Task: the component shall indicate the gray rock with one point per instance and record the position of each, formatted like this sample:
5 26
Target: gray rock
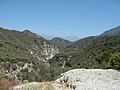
92 79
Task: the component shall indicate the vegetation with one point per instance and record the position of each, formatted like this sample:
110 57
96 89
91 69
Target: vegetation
96 54
15 44
101 52
6 84
114 61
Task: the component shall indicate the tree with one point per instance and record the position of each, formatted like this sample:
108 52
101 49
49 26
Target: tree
114 61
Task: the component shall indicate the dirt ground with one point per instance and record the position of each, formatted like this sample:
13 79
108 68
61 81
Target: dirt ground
52 86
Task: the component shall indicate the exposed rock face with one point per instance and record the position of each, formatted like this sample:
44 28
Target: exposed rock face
91 79
25 45
49 51
15 69
22 52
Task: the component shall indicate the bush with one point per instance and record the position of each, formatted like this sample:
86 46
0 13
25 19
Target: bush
114 61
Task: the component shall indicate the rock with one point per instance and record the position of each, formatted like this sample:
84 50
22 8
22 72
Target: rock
92 79
25 81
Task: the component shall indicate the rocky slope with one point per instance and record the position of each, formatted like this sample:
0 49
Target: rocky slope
26 45
91 79
23 54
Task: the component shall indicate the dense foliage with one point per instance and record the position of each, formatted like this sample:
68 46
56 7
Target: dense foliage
96 54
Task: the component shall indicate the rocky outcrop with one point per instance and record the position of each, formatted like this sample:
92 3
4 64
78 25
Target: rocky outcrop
91 79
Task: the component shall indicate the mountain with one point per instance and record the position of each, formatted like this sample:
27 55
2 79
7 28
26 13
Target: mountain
24 56
26 45
77 45
113 31
47 36
96 54
71 38
92 52
61 42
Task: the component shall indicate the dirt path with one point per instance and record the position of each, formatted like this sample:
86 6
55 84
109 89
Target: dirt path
52 86
48 86
41 86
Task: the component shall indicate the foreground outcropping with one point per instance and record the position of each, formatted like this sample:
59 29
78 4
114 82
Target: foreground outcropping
79 79
91 79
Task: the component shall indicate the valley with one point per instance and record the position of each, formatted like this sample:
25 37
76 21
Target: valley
28 59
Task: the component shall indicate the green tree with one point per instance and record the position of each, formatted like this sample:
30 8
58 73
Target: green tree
114 61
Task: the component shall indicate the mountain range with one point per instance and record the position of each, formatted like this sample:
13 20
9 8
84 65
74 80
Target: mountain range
27 56
91 52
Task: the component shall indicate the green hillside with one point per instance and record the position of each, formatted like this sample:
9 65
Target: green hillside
24 45
95 54
24 56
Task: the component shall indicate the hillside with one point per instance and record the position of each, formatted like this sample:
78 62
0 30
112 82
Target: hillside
24 45
91 52
24 56
77 45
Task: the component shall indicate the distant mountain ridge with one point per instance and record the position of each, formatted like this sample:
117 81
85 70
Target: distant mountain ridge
87 40
113 31
92 52
61 42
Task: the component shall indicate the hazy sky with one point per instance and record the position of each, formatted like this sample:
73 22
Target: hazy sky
60 17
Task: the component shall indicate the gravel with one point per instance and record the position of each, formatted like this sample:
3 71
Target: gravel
91 79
